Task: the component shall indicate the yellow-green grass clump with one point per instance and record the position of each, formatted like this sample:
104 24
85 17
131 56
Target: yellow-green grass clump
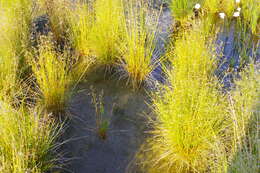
26 140
14 35
82 22
139 45
8 60
107 31
250 10
52 76
190 130
16 17
244 110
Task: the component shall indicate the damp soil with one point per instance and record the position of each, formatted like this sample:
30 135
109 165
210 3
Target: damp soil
127 113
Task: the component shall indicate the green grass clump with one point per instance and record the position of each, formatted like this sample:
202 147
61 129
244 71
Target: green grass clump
52 77
26 139
244 110
139 45
107 30
188 134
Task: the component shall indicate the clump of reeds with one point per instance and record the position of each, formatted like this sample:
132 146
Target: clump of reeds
250 10
107 31
8 60
139 43
16 17
244 110
189 132
220 6
81 21
26 140
52 75
81 27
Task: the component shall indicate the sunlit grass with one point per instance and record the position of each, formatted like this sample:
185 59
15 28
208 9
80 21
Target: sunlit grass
52 77
244 110
26 140
16 17
8 60
251 14
197 128
188 134
107 30
26 134
82 22
139 45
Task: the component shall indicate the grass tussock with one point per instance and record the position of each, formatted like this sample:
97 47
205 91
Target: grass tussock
244 110
188 134
81 27
251 14
139 45
26 139
107 31
16 17
52 76
8 61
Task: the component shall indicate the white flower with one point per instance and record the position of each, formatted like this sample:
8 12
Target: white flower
197 6
237 1
236 14
222 15
239 9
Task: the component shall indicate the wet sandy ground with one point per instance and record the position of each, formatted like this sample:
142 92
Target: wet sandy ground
127 113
